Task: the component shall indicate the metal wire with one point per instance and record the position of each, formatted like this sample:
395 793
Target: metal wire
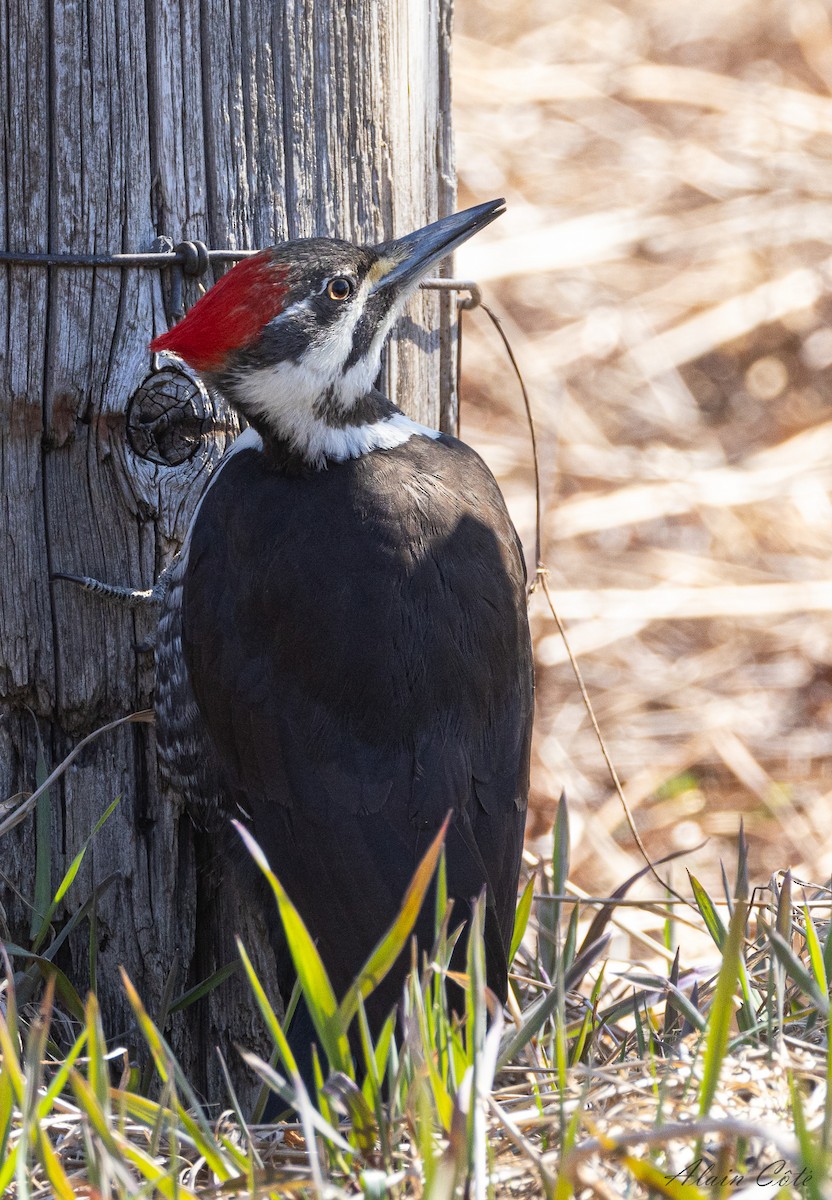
193 258
185 254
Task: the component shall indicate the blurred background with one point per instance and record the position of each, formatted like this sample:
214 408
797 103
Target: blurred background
664 274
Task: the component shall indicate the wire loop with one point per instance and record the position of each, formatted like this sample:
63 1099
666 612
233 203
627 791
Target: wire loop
195 257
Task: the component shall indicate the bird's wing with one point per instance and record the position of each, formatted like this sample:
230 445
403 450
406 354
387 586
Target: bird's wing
358 647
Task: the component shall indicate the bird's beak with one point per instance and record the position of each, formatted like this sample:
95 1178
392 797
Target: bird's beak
404 261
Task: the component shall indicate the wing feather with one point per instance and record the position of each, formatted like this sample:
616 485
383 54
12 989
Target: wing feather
358 646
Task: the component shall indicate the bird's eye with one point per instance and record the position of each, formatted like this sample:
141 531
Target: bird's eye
339 288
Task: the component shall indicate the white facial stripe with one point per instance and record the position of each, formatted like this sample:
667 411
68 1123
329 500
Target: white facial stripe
333 348
299 384
274 392
287 394
359 378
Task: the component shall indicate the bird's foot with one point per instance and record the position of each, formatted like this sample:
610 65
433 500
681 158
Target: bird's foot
128 596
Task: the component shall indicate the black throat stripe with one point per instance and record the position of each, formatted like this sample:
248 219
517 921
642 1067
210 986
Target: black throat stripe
366 410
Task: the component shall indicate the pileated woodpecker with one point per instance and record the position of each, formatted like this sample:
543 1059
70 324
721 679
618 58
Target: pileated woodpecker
344 650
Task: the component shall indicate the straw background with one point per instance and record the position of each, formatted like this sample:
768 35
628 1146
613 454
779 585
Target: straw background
664 274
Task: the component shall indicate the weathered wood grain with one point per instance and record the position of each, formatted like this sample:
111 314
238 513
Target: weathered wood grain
237 122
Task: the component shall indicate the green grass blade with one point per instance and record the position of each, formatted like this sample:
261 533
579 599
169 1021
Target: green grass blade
534 1018
192 1122
521 919
589 955
717 930
570 942
120 1148
12 1090
419 1049
361 1116
155 1041
441 907
549 915
590 1020
814 1169
580 1041
372 1077
477 1013
269 1015
563 1187
678 1000
97 1068
719 1018
712 919
442 1099
12 1066
815 951
560 848
742 889
8 1167
289 1094
208 985
79 915
671 1023
47 970
87 1101
61 1186
654 1179
394 941
6 1106
783 920
827 952
69 876
59 1079
795 969
384 1044
675 999
317 989
35 1052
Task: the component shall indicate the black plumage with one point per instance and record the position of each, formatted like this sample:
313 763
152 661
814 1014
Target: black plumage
373 674
344 653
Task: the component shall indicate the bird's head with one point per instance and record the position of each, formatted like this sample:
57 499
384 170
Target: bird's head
293 335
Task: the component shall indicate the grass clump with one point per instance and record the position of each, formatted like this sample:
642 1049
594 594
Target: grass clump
603 1078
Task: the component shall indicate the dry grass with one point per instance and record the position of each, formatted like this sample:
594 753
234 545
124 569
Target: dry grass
664 269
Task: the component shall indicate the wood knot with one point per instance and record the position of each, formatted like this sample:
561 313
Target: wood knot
167 417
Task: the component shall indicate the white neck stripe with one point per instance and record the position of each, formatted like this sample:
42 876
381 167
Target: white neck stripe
354 441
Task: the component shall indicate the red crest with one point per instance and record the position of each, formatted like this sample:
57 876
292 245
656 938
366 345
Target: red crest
230 315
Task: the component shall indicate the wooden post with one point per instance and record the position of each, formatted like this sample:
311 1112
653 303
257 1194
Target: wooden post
237 124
